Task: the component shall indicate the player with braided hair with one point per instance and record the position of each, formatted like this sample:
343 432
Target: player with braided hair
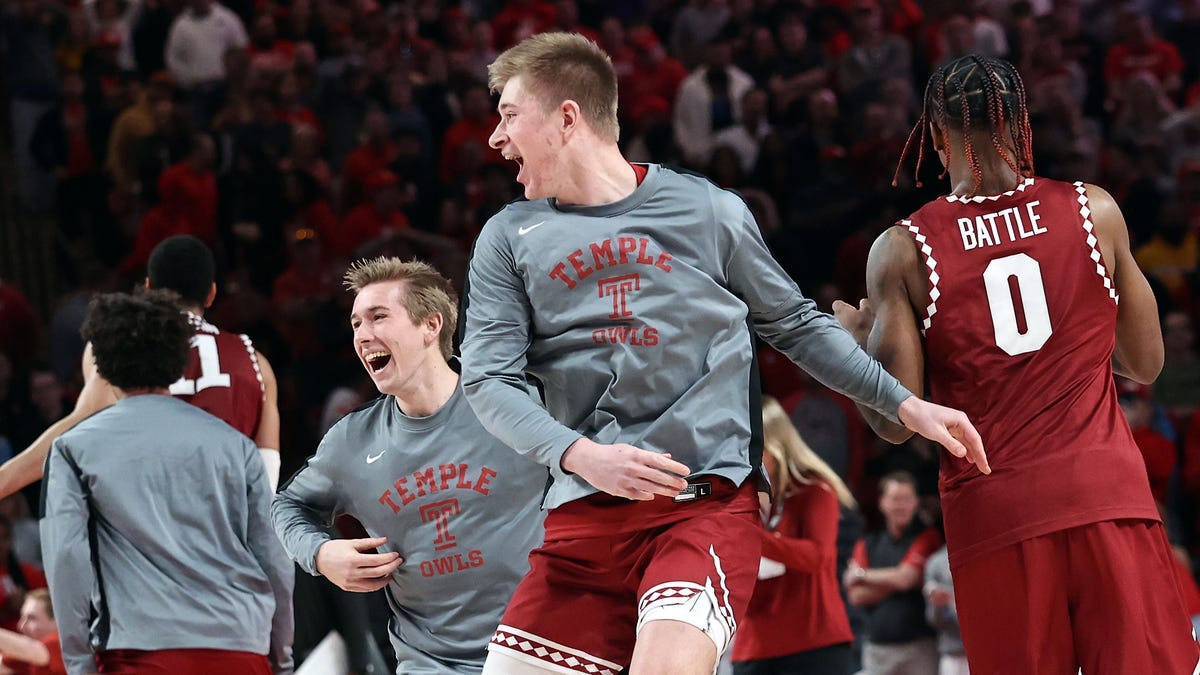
1016 298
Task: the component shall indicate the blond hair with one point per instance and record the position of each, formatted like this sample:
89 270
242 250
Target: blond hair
795 461
426 291
42 595
557 67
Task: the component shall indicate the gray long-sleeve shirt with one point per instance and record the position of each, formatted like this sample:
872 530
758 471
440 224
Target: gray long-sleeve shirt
459 507
157 535
633 315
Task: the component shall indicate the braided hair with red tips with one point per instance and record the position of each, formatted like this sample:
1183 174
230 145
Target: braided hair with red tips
959 96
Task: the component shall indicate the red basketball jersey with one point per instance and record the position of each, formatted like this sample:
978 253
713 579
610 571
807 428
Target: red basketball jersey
1019 334
222 377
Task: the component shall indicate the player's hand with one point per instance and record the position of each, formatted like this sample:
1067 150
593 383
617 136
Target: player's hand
947 426
625 471
343 562
851 576
857 321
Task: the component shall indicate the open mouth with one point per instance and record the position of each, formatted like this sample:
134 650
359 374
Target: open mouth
377 361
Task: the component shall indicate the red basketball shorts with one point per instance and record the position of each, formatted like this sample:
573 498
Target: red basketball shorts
585 598
181 662
1102 597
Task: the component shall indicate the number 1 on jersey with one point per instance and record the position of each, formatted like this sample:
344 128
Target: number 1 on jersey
210 369
1028 274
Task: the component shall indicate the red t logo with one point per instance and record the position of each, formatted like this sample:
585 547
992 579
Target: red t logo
441 513
617 287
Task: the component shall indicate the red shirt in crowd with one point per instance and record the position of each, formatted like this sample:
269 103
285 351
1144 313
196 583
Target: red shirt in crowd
362 224
460 134
807 594
1159 455
360 165
1161 59
191 196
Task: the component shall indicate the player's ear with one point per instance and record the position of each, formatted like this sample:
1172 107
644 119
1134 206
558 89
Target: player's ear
434 323
570 115
212 295
938 136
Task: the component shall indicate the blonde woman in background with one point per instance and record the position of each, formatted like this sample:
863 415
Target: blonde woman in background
797 620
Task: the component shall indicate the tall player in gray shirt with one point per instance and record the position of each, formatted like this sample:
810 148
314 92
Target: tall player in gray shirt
157 537
452 511
632 293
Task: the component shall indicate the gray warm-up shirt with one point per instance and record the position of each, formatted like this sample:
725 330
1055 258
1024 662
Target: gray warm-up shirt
157 535
633 316
459 507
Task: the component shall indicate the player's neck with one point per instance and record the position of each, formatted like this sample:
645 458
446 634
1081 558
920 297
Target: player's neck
429 390
597 175
140 391
998 178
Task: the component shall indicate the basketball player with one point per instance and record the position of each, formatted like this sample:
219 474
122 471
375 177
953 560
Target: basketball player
225 375
1017 297
631 292
157 538
452 511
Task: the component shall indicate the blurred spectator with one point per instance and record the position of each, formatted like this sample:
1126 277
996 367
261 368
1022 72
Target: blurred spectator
267 51
35 649
148 35
465 144
745 138
942 614
566 20
31 29
1158 452
799 71
885 577
27 541
299 293
378 216
115 17
132 127
798 575
20 328
654 73
375 154
69 141
195 51
709 100
16 579
694 27
518 19
1140 50
306 157
1178 385
873 55
1172 252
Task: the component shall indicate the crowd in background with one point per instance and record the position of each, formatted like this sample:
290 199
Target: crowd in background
294 136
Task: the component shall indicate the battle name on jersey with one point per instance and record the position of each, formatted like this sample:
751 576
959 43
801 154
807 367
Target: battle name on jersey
990 229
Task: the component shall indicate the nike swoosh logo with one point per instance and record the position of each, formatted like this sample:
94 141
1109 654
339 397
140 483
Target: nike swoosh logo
526 230
372 458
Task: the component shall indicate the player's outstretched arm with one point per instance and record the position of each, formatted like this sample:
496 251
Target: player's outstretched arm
267 436
26 467
886 325
1139 350
18 647
625 471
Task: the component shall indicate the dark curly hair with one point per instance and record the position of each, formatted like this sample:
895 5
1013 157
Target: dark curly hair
972 94
139 341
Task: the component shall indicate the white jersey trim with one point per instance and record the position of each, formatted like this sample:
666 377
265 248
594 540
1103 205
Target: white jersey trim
548 654
934 277
262 386
979 199
1086 212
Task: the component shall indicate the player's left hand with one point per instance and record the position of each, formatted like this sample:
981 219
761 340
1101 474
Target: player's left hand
947 426
857 321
